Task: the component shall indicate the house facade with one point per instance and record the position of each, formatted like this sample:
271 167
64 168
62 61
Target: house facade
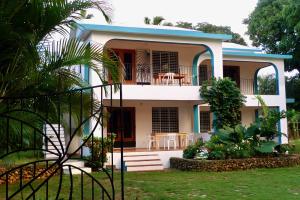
164 68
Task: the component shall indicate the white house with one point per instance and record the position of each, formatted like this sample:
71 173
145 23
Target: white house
164 70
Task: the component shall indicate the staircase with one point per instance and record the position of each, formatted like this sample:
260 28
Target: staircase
48 130
142 161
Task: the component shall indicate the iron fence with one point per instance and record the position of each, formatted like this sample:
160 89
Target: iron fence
42 147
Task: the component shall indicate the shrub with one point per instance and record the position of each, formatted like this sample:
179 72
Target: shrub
191 151
98 149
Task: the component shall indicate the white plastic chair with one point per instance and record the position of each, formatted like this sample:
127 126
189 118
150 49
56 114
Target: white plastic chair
169 77
171 138
151 141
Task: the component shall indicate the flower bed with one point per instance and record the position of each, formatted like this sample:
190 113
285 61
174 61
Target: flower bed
234 164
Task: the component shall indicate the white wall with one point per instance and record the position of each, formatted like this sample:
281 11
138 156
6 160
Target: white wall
143 117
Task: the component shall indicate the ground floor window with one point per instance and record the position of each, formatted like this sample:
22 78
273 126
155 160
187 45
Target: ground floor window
165 119
204 121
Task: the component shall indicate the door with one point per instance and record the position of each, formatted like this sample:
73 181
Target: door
127 57
232 72
122 118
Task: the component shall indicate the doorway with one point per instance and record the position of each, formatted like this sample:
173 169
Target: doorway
122 118
232 72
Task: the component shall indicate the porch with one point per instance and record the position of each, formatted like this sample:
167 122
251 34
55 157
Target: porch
144 159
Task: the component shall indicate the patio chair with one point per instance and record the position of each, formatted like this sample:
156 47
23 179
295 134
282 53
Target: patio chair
171 138
168 78
151 141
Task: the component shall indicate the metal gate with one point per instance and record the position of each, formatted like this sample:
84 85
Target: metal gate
50 143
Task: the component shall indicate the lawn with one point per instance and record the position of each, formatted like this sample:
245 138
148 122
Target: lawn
281 183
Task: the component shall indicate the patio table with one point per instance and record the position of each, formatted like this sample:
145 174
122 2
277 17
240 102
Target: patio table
159 136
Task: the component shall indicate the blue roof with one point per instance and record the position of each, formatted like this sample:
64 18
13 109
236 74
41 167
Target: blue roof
253 53
153 31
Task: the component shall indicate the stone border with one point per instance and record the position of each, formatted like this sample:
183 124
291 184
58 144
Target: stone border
234 164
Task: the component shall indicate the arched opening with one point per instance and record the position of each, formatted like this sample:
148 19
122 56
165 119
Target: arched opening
203 66
266 81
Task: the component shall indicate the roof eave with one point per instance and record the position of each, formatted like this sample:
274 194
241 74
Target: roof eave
151 31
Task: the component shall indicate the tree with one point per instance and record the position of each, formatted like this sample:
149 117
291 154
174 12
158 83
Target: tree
225 100
157 20
32 65
292 85
266 85
210 28
204 27
274 25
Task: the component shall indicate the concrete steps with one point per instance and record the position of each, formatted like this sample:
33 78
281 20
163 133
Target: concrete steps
79 164
48 130
143 161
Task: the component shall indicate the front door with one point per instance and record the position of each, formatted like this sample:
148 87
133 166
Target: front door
127 57
122 118
232 72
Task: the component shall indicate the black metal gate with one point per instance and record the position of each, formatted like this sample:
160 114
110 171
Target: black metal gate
47 139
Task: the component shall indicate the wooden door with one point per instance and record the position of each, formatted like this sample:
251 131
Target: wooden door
125 119
127 57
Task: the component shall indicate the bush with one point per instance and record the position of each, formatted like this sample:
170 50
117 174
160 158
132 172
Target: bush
191 151
96 159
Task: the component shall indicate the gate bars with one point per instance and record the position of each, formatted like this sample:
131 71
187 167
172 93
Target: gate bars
41 146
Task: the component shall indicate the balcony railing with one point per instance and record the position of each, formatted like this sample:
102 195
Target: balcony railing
178 76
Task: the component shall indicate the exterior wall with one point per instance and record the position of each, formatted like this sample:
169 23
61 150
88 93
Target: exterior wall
188 54
143 117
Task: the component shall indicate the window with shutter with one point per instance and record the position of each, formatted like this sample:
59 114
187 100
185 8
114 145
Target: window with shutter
165 119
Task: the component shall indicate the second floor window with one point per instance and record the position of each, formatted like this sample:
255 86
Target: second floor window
164 62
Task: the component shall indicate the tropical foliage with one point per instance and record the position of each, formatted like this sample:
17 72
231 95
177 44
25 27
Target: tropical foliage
266 85
225 100
98 149
274 25
33 64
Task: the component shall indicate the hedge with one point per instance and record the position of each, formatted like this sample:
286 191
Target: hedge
234 164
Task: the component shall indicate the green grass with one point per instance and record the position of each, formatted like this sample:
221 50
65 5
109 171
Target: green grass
281 183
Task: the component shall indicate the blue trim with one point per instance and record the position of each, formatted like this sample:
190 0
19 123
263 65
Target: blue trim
290 100
152 31
276 76
195 65
241 50
279 128
196 119
86 74
260 55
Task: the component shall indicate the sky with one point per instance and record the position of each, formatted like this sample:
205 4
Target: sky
219 12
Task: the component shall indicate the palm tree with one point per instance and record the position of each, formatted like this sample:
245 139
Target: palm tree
31 64
157 20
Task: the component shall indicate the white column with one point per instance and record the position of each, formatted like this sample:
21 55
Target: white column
217 61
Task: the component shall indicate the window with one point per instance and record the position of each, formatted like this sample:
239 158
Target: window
164 61
203 76
165 119
204 121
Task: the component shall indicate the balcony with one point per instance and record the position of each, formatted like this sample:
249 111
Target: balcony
154 75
